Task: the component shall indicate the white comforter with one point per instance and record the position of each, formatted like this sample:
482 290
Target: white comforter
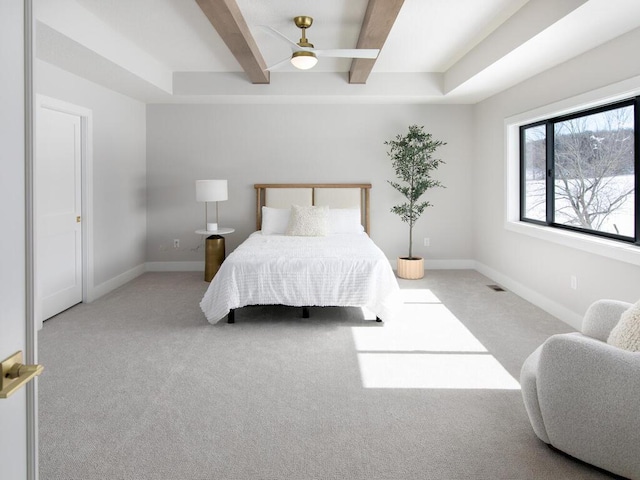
346 270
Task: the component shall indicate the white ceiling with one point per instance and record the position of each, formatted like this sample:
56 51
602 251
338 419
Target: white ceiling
437 51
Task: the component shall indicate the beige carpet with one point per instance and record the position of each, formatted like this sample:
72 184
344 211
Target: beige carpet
138 385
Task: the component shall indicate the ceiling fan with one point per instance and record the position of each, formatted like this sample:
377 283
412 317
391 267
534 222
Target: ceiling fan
305 56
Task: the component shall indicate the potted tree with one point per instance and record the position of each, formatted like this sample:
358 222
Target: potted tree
412 159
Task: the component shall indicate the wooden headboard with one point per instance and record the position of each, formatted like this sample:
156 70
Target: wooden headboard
334 195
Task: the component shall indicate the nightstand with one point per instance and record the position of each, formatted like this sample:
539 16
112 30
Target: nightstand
214 250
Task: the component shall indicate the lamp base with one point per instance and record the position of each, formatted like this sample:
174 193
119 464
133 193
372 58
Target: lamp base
212 227
214 256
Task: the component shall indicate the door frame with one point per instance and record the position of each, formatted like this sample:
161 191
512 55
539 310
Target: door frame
31 338
86 191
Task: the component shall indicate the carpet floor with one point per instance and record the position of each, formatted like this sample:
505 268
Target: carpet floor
137 385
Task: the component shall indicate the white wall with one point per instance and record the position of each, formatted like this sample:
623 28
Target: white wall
537 269
249 144
119 172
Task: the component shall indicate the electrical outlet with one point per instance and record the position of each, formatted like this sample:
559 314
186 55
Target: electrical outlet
427 241
176 243
574 282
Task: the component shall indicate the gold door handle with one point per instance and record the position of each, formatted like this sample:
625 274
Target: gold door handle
13 374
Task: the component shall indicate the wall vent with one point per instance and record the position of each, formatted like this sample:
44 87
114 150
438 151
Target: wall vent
496 288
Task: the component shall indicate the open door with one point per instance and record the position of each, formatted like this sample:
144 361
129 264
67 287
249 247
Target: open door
18 439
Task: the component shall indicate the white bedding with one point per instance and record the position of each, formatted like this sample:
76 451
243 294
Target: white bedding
346 270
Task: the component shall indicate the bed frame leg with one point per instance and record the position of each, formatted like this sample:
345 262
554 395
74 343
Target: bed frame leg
231 317
305 312
378 319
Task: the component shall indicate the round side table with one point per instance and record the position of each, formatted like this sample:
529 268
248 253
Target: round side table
214 250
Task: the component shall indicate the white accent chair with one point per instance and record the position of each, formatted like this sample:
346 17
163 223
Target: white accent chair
583 395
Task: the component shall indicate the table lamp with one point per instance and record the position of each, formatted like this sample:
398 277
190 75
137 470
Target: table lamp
211 191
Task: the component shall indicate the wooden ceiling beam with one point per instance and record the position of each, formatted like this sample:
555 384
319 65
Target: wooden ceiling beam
226 18
378 20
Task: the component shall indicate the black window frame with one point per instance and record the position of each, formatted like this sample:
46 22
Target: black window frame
549 124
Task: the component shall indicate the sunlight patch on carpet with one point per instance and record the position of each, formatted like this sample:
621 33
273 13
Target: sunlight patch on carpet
418 295
426 347
423 327
429 370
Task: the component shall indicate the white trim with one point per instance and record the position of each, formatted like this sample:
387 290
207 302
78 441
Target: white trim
595 98
569 317
461 264
115 282
174 266
604 247
588 243
87 207
31 336
453 264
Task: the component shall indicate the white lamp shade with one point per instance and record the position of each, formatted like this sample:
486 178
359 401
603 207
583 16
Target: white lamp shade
211 190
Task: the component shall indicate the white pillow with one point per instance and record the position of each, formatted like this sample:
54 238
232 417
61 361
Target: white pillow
275 220
626 334
345 220
308 221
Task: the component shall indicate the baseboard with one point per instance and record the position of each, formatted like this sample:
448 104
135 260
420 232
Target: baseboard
105 287
174 266
442 264
569 317
449 264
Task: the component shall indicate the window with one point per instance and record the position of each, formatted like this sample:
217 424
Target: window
581 172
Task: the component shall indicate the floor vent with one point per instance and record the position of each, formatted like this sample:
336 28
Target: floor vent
496 288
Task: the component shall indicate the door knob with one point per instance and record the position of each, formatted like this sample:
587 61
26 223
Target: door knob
14 374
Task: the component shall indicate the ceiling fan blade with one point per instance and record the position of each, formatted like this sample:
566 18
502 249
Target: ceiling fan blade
275 66
349 53
281 36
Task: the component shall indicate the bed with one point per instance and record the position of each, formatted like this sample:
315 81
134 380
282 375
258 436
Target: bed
287 262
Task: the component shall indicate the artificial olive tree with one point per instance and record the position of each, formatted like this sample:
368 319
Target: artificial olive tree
412 159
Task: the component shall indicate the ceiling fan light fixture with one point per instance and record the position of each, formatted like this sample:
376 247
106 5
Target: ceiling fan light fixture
304 60
305 56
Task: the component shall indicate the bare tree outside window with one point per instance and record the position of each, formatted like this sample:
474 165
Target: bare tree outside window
594 172
535 169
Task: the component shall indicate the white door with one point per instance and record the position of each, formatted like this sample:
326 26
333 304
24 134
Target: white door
58 160
17 413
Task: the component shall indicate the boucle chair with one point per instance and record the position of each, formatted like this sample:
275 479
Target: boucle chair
582 395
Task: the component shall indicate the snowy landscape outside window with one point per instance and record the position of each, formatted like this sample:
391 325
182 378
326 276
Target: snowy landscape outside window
580 172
